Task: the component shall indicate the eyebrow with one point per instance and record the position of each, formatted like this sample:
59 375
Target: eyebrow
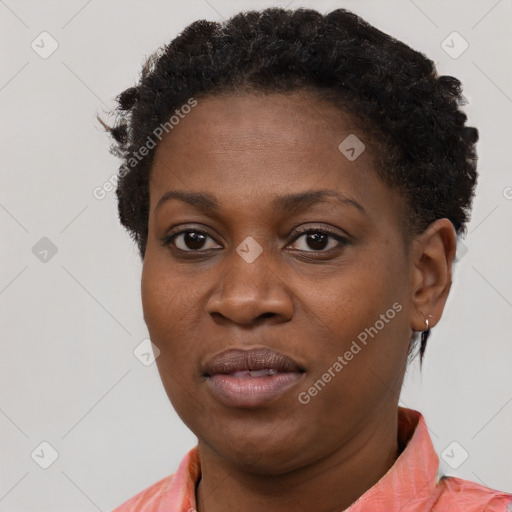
290 203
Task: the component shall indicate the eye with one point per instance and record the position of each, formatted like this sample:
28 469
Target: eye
311 240
189 240
318 240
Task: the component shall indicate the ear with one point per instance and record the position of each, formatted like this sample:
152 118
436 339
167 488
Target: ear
432 257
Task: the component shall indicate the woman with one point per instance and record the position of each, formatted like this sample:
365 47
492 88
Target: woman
295 184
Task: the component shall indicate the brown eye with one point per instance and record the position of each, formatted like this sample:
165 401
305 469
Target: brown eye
189 240
316 240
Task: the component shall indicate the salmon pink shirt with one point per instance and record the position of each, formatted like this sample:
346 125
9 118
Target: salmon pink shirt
412 484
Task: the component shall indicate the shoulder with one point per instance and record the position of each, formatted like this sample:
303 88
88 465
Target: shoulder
147 500
173 492
458 494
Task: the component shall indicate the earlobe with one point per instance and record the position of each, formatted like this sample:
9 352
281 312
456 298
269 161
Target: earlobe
432 258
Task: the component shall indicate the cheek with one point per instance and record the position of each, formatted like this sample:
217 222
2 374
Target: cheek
165 313
167 316
163 297
360 316
351 300
156 303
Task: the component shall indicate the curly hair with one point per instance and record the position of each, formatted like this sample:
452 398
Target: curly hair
392 92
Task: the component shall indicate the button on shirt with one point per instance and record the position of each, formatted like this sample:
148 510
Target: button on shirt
412 484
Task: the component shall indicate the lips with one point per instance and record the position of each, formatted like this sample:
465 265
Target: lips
251 379
256 363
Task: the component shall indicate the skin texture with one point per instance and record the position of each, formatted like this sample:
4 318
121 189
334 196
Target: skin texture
308 301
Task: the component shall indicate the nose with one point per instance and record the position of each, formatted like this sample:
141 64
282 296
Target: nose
250 293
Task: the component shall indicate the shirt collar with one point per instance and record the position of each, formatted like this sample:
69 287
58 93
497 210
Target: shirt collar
409 485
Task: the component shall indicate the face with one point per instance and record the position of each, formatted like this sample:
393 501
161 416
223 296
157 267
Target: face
295 248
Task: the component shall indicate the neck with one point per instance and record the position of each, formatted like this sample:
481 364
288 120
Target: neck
329 484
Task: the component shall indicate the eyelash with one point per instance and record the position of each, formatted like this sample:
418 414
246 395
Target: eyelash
167 241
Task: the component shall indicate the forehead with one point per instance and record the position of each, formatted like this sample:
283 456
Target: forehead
243 146
248 120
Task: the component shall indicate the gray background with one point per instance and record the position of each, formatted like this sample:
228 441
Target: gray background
71 320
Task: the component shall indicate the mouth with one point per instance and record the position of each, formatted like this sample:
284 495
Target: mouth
251 378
